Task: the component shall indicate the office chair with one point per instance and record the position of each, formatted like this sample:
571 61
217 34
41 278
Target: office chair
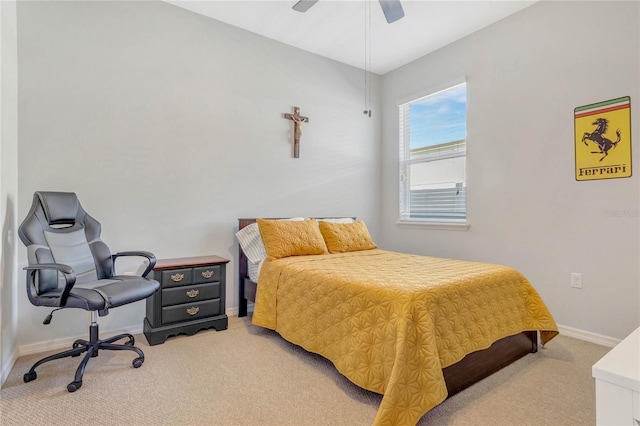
70 267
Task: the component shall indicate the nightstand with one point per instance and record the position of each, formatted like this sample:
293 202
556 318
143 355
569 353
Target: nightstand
191 297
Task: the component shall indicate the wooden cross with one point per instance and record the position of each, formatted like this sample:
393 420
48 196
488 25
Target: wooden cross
297 129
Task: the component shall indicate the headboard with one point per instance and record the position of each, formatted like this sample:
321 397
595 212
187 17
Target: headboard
247 288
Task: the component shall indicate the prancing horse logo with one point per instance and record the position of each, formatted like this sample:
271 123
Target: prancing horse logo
598 137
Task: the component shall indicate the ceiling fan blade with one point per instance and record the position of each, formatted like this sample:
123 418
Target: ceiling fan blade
392 10
304 5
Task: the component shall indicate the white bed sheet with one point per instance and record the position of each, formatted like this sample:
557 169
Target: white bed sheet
254 270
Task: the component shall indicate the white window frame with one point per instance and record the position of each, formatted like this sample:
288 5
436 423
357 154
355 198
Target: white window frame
405 162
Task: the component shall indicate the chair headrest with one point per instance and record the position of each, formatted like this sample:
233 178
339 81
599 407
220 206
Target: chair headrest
60 208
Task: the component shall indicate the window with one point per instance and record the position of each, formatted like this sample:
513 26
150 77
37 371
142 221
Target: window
433 132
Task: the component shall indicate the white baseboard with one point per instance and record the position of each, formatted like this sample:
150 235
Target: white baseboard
66 342
63 343
233 311
8 366
52 345
587 336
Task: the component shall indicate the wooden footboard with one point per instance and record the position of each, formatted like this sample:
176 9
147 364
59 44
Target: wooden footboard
459 376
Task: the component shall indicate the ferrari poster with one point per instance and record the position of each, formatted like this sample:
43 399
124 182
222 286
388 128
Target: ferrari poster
603 139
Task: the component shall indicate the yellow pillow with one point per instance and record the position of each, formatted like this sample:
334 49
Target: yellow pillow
345 237
283 238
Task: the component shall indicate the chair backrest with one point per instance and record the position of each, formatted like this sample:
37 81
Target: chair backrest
58 230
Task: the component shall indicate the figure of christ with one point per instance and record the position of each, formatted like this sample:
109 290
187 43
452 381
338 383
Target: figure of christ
297 129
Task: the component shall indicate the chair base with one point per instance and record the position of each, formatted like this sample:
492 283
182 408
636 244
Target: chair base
92 348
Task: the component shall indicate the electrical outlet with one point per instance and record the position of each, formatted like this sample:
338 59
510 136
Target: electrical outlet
576 280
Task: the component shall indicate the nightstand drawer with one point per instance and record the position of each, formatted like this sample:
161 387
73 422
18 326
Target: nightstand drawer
206 274
177 277
190 311
190 293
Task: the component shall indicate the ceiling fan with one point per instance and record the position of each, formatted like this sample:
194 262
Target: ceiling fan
392 9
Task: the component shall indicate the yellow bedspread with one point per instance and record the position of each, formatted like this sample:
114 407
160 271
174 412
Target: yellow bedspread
390 322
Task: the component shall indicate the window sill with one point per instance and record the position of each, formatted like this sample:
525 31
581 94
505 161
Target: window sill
447 226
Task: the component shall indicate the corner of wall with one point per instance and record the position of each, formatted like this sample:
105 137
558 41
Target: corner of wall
8 185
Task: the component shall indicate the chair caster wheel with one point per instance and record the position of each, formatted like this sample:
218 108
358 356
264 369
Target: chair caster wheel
137 362
74 386
75 346
30 376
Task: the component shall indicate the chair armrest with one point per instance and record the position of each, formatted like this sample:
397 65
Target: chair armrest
66 270
150 257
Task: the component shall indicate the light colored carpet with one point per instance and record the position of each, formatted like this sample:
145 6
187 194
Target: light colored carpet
246 375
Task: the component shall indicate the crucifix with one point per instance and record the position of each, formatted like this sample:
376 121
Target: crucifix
297 129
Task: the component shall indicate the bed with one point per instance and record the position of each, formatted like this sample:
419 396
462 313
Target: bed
389 327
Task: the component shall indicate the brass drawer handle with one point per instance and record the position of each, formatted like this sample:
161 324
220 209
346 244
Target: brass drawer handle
193 293
207 274
194 310
177 277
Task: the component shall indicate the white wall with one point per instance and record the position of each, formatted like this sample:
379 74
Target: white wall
168 125
526 74
8 186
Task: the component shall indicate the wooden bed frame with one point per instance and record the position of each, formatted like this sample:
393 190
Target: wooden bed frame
459 376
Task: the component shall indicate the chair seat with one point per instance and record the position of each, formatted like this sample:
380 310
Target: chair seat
107 293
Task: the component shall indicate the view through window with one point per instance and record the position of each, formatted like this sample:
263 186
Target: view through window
433 132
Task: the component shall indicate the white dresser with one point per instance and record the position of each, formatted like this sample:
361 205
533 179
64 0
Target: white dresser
617 377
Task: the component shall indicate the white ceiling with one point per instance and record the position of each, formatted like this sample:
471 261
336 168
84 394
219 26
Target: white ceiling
336 28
